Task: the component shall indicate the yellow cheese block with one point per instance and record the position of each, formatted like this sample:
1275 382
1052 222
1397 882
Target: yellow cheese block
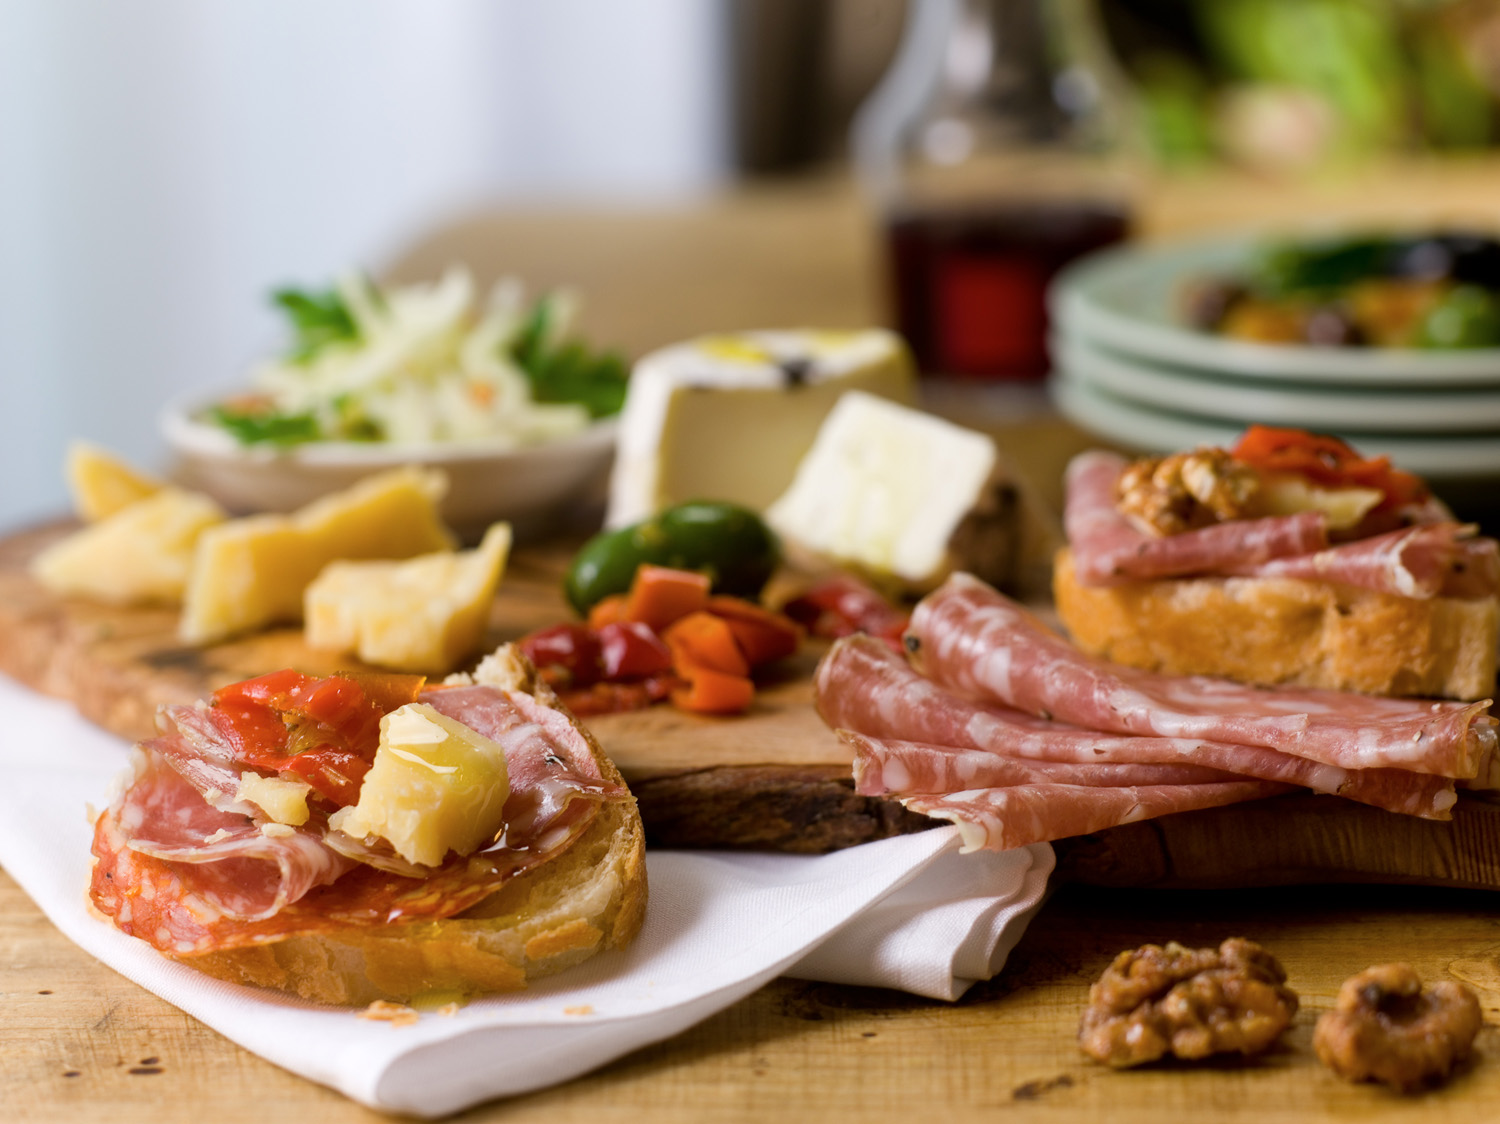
283 800
252 572
142 554
102 484
425 614
436 786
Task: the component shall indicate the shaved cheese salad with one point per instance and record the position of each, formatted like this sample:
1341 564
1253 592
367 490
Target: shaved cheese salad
421 364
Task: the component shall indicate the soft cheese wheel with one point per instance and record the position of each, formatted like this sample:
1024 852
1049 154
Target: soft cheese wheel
900 494
729 417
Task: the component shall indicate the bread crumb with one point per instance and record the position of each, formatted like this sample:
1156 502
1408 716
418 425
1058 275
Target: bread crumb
448 1010
585 1009
397 1014
91 812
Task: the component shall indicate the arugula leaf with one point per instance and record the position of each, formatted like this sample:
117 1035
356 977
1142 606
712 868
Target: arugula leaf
259 427
318 319
568 371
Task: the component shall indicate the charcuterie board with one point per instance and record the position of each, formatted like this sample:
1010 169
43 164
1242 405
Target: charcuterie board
775 778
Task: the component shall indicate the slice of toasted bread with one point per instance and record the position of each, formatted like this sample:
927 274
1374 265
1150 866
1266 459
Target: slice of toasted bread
1278 630
590 898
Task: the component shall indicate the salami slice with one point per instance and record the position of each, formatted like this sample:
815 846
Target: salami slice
237 868
883 766
1416 562
862 685
971 639
1108 548
997 819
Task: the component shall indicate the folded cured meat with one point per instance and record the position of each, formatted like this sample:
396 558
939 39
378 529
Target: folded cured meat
997 819
970 638
863 686
189 866
1107 547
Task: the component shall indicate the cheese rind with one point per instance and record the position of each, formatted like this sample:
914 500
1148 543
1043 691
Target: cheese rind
101 484
252 572
899 494
140 555
729 417
424 614
435 786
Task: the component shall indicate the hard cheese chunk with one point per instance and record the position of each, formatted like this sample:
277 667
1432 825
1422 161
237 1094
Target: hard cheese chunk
729 417
425 614
901 495
252 572
142 554
282 800
436 786
102 484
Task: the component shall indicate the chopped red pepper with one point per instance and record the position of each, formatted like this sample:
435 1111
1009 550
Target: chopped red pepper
566 655
843 605
630 650
1327 461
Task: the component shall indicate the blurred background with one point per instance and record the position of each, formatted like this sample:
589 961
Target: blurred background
165 163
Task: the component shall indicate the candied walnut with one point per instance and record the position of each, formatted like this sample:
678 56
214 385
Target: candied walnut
1386 1027
1189 1002
1165 495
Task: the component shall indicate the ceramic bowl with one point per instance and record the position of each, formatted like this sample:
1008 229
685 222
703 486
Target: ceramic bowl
535 488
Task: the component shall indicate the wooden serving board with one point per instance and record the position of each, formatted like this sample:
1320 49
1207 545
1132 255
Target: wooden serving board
773 779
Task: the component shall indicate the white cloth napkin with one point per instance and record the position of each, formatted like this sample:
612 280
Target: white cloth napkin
907 913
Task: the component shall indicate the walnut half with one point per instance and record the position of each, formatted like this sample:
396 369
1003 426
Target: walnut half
1166 495
1386 1027
1187 1002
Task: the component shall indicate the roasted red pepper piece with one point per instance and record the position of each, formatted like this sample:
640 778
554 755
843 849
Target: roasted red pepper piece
630 650
843 605
565 655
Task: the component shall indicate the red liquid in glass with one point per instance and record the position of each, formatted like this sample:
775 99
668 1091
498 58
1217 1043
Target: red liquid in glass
971 284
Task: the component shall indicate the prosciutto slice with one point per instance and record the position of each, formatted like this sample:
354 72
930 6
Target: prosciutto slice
886 765
969 638
1109 549
1415 562
997 819
861 685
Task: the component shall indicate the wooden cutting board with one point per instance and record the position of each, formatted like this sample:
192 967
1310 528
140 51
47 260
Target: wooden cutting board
774 779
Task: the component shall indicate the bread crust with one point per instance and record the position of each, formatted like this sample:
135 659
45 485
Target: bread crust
590 898
1283 631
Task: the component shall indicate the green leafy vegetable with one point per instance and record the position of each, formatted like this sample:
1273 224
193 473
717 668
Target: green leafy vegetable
261 427
319 319
567 371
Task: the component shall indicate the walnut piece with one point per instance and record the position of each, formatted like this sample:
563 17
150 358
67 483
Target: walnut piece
1165 495
1189 1002
1386 1027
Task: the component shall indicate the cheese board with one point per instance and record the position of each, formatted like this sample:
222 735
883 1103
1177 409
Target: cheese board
773 779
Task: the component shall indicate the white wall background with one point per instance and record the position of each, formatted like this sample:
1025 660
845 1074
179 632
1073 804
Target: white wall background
165 163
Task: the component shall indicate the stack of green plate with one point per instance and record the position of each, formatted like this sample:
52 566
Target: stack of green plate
1127 367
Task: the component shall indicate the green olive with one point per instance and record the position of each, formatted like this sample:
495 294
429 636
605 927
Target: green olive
1467 316
727 542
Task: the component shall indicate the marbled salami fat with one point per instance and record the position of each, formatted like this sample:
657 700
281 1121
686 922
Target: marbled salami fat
861 685
997 819
970 639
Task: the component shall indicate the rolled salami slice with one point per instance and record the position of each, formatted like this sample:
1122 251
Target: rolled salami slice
1108 548
971 639
862 685
997 819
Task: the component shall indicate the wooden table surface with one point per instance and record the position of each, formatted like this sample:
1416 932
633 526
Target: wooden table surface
79 1043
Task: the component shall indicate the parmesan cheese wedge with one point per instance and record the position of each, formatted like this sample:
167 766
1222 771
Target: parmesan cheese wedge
436 786
101 484
425 614
140 555
252 572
